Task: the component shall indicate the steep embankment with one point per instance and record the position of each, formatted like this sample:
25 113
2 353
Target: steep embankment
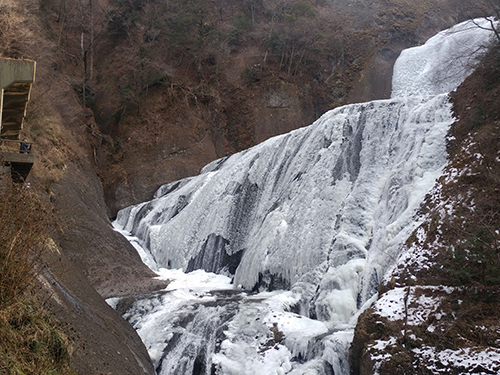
84 253
437 310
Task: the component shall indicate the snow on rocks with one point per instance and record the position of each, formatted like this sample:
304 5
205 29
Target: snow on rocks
412 304
461 362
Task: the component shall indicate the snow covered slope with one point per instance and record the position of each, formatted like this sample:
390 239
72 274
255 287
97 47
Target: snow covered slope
320 212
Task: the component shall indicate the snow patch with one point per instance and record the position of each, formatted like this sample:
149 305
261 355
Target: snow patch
464 361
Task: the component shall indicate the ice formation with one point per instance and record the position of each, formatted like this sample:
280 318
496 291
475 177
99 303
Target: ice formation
311 219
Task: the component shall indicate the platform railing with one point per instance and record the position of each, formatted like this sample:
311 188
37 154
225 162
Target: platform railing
8 145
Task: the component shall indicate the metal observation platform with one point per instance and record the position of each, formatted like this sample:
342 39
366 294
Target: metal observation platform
16 78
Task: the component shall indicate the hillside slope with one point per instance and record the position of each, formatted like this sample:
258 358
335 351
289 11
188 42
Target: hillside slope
437 309
174 85
85 254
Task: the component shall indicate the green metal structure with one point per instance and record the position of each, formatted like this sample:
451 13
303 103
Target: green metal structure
16 79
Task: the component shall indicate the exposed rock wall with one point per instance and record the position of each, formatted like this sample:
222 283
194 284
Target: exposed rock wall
242 81
88 260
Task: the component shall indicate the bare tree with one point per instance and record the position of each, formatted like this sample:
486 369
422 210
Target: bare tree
493 21
92 21
493 26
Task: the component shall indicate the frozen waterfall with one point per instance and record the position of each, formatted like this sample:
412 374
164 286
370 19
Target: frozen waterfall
285 242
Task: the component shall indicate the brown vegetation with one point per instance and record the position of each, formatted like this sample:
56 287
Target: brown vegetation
24 229
29 339
176 84
16 33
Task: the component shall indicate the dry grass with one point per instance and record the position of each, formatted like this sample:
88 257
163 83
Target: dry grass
15 31
24 230
30 343
29 340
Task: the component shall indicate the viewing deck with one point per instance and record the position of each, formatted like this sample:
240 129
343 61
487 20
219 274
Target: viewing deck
17 163
16 79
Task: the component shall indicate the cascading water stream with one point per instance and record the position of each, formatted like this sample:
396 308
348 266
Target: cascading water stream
309 221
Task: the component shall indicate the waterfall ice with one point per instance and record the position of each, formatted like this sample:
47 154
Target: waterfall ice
443 62
304 201
310 219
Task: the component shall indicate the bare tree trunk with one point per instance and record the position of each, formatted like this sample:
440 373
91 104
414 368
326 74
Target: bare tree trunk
291 60
252 9
84 66
61 10
91 71
61 32
300 60
61 18
220 10
405 329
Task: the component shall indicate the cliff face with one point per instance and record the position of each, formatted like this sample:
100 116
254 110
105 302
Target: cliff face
436 309
178 84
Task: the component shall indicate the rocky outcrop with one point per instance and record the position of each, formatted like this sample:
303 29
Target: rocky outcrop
89 261
435 312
